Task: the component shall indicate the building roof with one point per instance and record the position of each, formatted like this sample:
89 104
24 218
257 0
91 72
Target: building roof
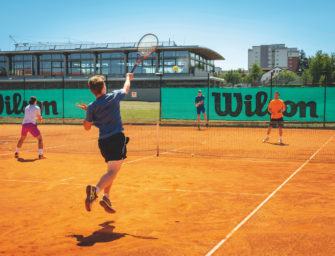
41 48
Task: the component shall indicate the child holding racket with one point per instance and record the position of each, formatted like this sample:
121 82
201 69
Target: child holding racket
276 108
31 112
104 113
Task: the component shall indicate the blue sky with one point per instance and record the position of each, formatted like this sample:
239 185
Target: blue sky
228 27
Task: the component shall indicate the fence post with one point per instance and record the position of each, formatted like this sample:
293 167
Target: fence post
24 88
208 84
160 97
271 85
325 102
63 82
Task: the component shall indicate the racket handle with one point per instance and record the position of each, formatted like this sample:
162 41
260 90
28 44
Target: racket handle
133 69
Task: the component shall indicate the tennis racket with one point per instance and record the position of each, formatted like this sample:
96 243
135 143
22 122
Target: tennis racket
199 103
146 46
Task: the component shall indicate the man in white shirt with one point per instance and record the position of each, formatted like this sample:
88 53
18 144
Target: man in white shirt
31 112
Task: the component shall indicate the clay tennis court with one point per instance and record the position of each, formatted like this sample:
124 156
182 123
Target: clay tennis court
218 191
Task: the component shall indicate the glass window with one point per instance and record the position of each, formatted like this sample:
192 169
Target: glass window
52 64
87 56
169 62
147 62
169 54
168 70
45 64
182 61
57 71
57 56
3 66
22 65
132 55
182 53
110 63
74 56
192 63
45 57
45 71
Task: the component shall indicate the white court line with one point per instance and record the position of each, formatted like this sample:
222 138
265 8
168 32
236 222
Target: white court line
267 199
70 178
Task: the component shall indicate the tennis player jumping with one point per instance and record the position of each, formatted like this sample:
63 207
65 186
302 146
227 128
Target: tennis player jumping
31 112
276 108
104 113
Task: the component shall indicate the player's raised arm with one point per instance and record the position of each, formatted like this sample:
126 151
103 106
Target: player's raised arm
126 86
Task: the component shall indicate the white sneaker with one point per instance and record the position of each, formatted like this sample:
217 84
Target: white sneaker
280 141
265 139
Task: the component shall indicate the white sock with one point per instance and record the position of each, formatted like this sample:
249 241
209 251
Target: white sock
106 195
280 138
17 150
267 136
40 151
97 189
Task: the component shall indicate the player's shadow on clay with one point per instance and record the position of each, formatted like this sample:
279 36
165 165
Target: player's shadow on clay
104 235
278 144
22 160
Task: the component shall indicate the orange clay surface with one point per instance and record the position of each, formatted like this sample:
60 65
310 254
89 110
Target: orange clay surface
184 202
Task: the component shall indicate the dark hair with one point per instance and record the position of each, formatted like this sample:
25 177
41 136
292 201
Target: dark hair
96 83
32 100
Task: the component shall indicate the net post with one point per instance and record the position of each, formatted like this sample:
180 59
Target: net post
157 138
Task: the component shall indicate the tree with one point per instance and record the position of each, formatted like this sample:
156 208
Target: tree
287 76
306 77
322 64
233 77
242 72
247 79
255 73
322 80
303 63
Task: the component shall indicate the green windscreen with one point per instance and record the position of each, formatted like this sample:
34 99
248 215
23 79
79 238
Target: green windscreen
250 104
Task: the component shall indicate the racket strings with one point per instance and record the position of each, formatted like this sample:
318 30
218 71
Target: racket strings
147 45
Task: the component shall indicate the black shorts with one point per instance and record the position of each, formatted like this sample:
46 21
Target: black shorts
276 122
114 147
200 109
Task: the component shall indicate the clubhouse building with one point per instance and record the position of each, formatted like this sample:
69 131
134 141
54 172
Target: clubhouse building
47 66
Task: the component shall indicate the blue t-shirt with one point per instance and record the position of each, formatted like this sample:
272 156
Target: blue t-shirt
104 112
198 99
